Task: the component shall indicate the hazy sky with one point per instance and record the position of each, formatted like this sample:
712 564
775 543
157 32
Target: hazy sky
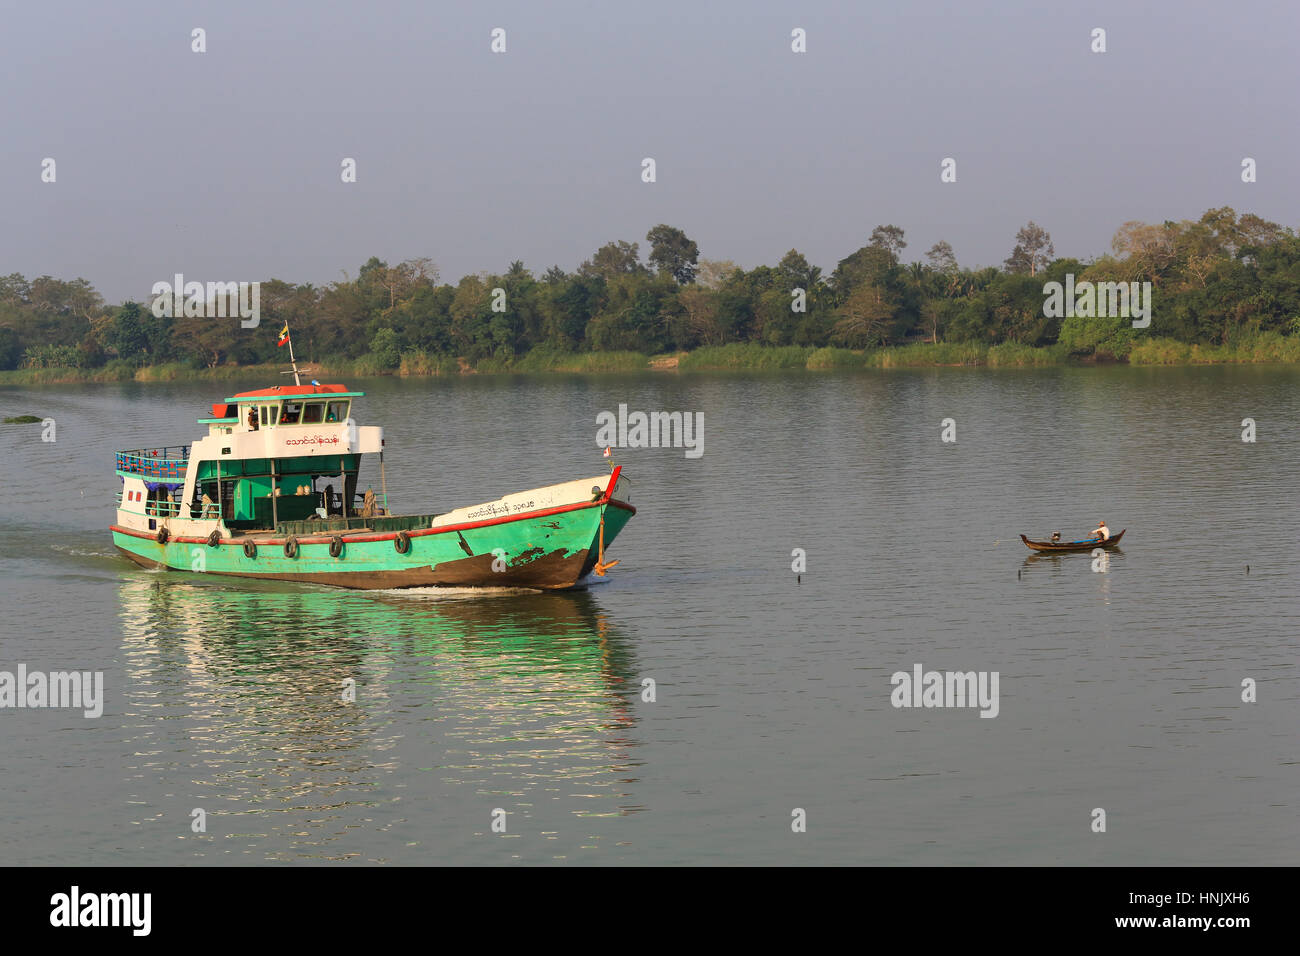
225 165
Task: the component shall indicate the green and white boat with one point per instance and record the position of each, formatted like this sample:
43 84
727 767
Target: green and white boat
247 500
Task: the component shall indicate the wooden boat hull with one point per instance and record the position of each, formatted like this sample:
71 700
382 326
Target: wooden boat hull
1060 547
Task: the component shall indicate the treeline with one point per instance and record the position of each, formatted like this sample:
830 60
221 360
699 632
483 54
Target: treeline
1216 281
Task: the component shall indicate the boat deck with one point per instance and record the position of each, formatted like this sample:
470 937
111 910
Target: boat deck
316 532
331 526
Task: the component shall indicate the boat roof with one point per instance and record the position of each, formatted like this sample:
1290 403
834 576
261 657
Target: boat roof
295 391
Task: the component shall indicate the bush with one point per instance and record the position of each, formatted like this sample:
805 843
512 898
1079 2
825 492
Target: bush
384 351
52 356
1107 335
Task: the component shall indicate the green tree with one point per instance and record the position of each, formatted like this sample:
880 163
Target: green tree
890 239
796 273
870 265
612 260
385 349
864 318
128 335
672 253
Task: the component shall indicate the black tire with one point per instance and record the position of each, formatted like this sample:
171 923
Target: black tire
291 547
162 535
214 539
402 542
336 546
250 549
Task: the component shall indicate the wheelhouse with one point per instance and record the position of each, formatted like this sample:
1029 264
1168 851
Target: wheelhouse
257 411
284 454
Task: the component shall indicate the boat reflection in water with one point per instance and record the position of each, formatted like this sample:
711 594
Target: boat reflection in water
1060 560
462 704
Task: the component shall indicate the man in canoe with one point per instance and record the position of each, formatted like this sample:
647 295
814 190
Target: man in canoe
1101 531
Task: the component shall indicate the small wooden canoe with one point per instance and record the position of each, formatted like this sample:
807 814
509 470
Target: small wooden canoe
1074 545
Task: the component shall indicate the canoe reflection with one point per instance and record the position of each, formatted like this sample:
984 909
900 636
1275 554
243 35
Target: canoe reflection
1056 561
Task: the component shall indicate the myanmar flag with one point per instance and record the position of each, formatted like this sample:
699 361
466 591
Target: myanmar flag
284 335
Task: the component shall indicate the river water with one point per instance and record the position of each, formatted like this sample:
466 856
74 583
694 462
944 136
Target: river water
1120 684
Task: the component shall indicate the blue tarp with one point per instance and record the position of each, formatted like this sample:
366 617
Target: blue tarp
170 486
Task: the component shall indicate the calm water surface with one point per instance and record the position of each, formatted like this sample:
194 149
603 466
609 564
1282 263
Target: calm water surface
1119 689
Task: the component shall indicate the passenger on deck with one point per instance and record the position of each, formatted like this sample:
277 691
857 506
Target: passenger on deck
252 418
329 497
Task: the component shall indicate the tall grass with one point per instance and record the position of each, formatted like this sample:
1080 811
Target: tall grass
62 376
420 362
825 359
1011 355
125 372
179 371
922 355
119 371
1160 352
746 355
1263 348
547 360
1270 347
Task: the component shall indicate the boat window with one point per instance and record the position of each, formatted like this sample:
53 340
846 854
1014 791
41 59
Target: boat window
265 415
275 413
338 412
312 413
291 412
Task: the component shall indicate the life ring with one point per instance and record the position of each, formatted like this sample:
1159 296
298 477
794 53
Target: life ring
214 539
402 542
336 546
250 549
291 547
162 535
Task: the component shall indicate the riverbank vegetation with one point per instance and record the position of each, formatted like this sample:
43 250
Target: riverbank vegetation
1265 348
1224 288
